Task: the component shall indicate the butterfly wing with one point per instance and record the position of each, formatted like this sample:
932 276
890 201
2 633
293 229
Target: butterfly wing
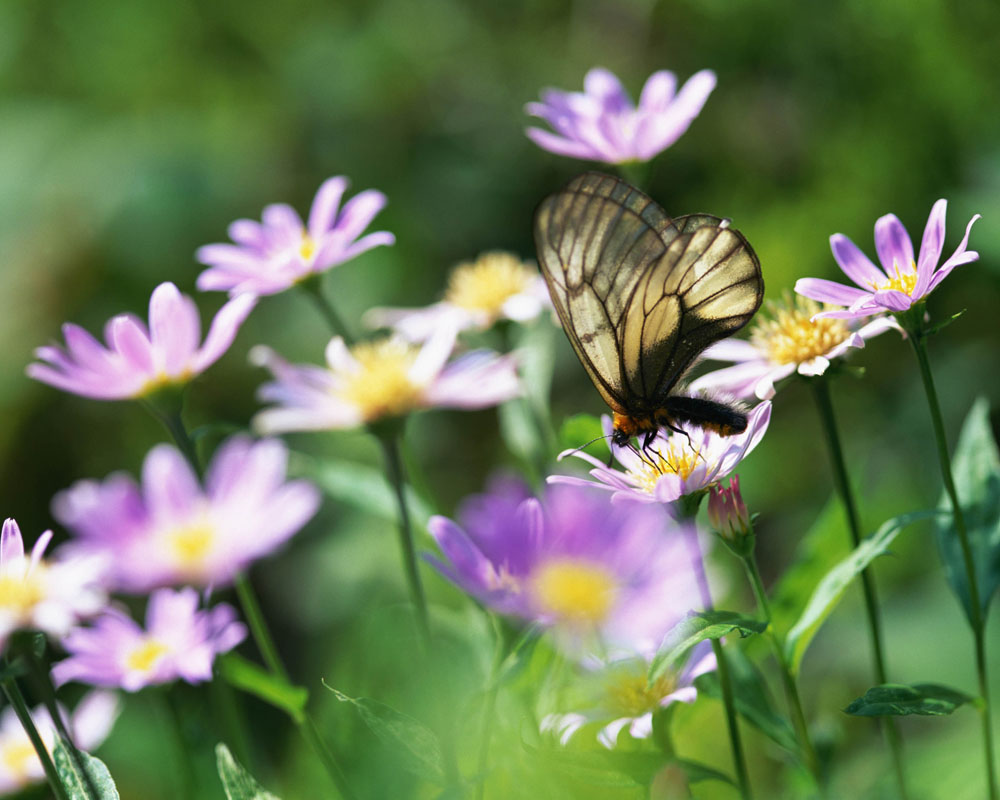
597 240
705 287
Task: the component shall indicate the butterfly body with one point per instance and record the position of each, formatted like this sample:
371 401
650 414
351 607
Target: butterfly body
640 295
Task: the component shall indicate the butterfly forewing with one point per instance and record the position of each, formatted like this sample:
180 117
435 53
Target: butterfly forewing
641 295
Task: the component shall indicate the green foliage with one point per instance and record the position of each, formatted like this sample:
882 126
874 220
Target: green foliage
900 700
238 783
831 588
697 627
753 700
411 743
581 429
254 679
94 782
976 470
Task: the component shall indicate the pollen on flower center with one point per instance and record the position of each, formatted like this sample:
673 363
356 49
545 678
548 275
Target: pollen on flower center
18 758
632 695
904 282
488 282
382 386
190 544
678 459
575 591
18 595
789 335
145 657
307 248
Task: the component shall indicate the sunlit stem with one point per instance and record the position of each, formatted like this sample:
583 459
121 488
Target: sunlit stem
635 173
787 679
314 290
389 436
490 704
821 392
13 692
917 337
689 508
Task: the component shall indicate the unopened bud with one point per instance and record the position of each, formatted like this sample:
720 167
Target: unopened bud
727 513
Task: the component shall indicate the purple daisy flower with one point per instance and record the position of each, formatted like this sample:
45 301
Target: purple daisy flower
279 251
903 280
786 339
597 573
90 723
172 531
137 361
380 379
179 641
622 697
602 124
674 464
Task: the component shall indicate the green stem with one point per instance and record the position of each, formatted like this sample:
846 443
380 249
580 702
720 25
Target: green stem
821 392
171 710
977 618
725 682
314 290
489 707
265 644
396 476
16 699
788 680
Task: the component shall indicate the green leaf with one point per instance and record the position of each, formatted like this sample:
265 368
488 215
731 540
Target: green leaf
900 700
579 430
976 470
697 772
254 679
831 588
413 743
752 699
238 783
359 486
76 782
697 627
520 431
940 326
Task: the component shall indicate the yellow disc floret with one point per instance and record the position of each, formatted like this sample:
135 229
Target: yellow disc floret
19 594
144 657
487 283
630 694
904 282
382 386
674 457
787 333
190 544
575 591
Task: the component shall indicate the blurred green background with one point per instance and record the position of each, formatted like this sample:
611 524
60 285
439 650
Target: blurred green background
133 132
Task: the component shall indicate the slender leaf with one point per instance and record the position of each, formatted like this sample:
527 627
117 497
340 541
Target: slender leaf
899 700
76 783
238 783
413 743
697 772
829 591
697 627
253 679
976 469
752 699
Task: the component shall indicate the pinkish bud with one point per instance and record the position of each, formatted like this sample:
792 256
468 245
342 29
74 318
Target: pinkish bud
727 513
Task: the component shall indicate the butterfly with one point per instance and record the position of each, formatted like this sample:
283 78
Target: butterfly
641 295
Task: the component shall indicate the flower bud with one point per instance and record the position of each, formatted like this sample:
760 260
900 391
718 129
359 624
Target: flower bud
727 513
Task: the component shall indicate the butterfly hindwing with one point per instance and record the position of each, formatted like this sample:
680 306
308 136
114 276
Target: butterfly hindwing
641 295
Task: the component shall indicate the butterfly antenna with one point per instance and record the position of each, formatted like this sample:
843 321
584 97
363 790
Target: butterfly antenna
588 444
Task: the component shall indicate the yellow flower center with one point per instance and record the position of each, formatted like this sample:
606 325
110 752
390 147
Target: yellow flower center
144 657
19 595
18 759
675 457
789 336
488 282
190 544
904 282
307 249
575 591
631 695
382 386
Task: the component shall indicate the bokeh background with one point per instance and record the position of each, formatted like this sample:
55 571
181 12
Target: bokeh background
133 132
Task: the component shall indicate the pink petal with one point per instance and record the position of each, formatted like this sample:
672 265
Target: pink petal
175 328
324 207
825 291
893 300
169 485
284 220
358 212
855 264
602 85
931 245
658 91
565 147
130 339
893 245
223 330
11 543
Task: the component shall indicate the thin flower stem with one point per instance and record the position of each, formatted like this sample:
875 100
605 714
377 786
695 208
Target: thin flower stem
821 392
978 621
313 289
489 707
725 682
788 680
16 699
185 771
394 471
